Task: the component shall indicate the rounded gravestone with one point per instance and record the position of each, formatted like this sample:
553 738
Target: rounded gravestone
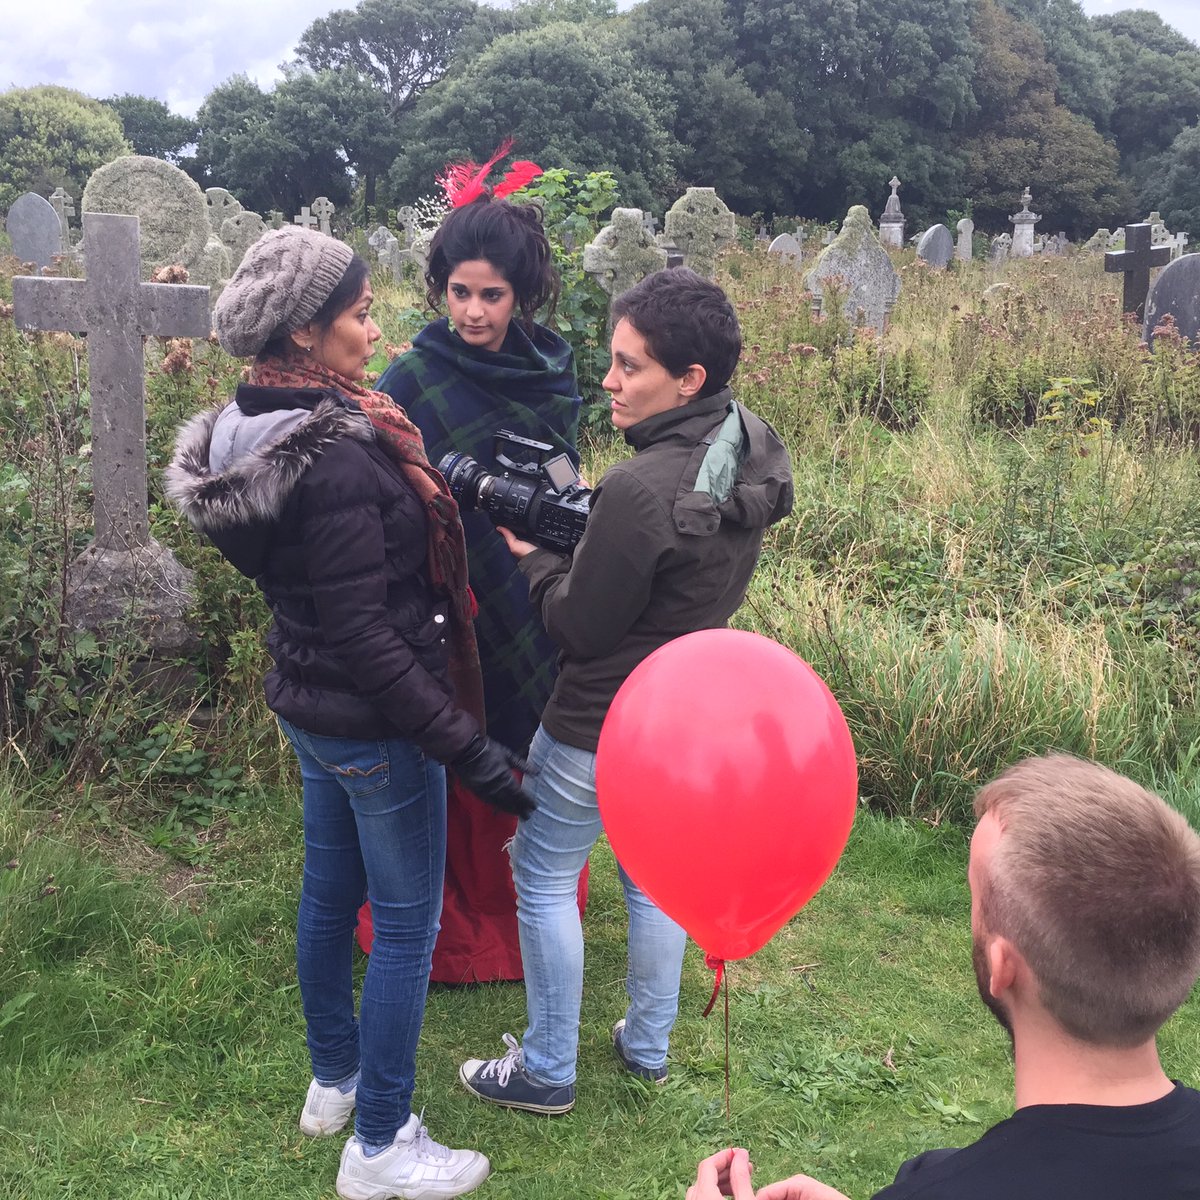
34 230
239 232
171 209
1176 293
936 247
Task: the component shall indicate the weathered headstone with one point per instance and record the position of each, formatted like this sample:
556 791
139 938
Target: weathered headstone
1097 242
965 245
64 204
1001 246
34 229
1023 223
221 205
123 573
787 248
1176 293
323 209
305 218
1160 235
701 225
650 222
936 247
275 219
379 238
1135 261
171 209
891 224
238 233
409 221
623 252
1179 244
857 257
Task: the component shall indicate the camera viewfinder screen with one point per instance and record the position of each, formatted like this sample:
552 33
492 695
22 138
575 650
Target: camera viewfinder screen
560 472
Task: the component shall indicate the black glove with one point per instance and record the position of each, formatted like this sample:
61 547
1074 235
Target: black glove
486 767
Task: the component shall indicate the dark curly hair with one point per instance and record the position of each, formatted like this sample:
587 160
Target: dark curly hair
510 238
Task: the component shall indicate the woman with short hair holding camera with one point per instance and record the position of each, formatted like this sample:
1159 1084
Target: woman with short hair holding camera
485 366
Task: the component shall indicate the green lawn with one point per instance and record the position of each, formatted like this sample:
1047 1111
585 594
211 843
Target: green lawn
151 1043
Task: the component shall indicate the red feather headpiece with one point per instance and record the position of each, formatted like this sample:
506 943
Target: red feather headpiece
466 181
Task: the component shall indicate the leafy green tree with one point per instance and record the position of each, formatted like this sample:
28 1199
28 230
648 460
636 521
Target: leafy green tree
275 149
53 137
878 85
1023 136
1074 47
750 147
401 46
1157 84
1172 182
569 97
151 128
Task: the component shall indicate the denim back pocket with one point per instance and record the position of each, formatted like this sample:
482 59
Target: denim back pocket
361 767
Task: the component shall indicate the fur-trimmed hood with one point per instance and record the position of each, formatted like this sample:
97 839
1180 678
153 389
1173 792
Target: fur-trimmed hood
255 486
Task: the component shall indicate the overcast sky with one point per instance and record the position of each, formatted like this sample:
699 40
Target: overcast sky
179 53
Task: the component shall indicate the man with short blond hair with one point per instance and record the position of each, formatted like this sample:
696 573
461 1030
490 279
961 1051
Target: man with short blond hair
1085 922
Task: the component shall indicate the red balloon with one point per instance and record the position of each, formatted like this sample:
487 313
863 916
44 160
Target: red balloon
726 780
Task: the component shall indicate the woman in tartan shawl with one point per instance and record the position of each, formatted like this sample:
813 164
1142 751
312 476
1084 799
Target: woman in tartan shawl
490 366
321 492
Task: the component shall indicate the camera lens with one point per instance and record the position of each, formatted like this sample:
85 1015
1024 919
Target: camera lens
465 477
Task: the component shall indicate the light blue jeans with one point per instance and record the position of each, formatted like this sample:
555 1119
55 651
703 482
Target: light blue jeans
374 825
548 853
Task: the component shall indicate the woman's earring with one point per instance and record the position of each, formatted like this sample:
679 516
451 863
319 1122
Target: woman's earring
307 349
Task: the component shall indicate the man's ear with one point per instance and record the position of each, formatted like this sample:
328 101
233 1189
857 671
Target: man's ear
691 381
1005 963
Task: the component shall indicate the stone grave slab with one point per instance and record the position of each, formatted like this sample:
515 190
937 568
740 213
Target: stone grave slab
1176 293
701 225
623 252
858 258
34 229
936 247
786 248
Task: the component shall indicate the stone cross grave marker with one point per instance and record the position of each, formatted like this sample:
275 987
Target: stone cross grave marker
34 229
379 237
239 232
275 219
324 208
623 253
650 221
964 246
116 311
64 205
891 224
1176 293
787 248
701 225
409 220
220 204
1178 244
936 247
857 258
1001 245
1023 224
305 218
1135 261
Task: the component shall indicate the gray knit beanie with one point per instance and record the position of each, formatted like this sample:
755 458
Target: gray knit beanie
282 281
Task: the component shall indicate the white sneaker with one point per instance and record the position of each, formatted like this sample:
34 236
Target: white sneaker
413 1167
326 1110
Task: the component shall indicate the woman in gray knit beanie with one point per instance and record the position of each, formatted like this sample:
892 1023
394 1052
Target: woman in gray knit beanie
320 491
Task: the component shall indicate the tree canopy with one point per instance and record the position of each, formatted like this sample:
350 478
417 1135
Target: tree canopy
151 128
54 137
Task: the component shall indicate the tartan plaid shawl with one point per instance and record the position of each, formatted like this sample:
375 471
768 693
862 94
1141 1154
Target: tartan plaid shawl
458 396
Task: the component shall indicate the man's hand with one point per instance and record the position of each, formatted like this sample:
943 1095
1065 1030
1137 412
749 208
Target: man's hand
517 548
799 1187
726 1173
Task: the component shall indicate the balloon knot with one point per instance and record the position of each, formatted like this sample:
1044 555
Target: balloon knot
714 964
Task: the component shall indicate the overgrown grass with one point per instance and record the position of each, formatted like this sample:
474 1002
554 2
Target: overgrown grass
994 552
152 1045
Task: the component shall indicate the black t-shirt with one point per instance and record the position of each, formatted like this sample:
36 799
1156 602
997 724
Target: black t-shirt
1069 1152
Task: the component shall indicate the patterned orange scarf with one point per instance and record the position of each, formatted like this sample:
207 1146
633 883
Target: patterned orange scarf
401 441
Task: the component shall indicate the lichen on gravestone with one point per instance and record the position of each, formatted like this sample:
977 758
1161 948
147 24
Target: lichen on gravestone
171 209
859 260
701 225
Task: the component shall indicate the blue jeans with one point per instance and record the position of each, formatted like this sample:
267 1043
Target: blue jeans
374 826
548 853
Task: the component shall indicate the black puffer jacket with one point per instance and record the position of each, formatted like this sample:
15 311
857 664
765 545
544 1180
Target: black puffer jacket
291 487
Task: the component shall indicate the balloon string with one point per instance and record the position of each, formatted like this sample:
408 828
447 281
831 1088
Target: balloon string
718 965
728 1110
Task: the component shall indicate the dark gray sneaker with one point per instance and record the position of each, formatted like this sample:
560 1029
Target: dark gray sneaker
653 1074
505 1081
